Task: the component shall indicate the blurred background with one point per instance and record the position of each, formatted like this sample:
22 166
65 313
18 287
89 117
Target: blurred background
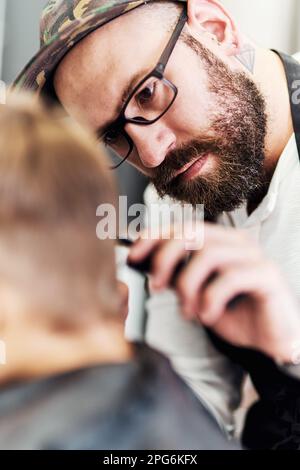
271 23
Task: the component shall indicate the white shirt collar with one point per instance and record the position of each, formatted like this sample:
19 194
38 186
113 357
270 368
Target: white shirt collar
287 162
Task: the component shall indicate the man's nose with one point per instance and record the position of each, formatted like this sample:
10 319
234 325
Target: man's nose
152 142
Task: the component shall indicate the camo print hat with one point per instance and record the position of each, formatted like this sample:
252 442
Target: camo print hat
63 24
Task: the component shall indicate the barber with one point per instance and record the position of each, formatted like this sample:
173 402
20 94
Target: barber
247 304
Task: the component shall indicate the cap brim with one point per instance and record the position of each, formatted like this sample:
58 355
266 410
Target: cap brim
41 67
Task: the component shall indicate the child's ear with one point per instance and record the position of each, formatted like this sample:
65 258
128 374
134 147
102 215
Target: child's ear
3 328
2 353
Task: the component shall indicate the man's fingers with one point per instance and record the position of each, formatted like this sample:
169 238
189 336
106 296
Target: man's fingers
212 234
234 282
202 266
142 249
219 234
164 262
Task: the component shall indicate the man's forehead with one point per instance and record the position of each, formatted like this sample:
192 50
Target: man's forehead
104 63
131 33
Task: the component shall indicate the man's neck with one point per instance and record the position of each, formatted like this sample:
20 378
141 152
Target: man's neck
271 75
271 78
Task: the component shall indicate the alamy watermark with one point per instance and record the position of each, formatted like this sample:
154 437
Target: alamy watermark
162 220
296 92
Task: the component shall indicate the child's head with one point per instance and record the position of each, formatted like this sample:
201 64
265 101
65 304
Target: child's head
52 178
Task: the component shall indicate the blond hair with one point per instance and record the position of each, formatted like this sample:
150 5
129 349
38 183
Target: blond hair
52 178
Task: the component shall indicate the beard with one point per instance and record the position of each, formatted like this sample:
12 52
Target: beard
239 125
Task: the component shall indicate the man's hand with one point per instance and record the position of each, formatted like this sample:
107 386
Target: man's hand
230 264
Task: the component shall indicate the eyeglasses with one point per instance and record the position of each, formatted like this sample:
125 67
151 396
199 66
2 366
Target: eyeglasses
147 103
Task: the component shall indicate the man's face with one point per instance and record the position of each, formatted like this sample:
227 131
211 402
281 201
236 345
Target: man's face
209 147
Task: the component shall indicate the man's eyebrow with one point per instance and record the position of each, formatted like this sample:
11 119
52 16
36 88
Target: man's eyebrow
128 89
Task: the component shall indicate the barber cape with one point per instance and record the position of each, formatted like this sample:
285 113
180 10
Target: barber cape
275 224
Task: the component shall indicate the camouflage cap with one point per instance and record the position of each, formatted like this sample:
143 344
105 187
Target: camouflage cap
63 24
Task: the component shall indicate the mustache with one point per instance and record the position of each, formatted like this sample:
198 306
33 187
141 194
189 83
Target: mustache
183 155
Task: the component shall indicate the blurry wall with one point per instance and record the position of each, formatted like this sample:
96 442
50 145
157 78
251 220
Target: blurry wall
272 23
21 35
2 18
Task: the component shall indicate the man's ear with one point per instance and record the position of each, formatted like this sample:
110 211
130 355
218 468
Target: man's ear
211 17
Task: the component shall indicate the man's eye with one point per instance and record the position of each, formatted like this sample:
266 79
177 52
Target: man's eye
146 95
111 137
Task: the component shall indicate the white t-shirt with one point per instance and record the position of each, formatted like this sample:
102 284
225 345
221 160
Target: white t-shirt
275 224
213 377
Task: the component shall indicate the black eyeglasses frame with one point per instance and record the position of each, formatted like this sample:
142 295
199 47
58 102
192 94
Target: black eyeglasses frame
158 72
